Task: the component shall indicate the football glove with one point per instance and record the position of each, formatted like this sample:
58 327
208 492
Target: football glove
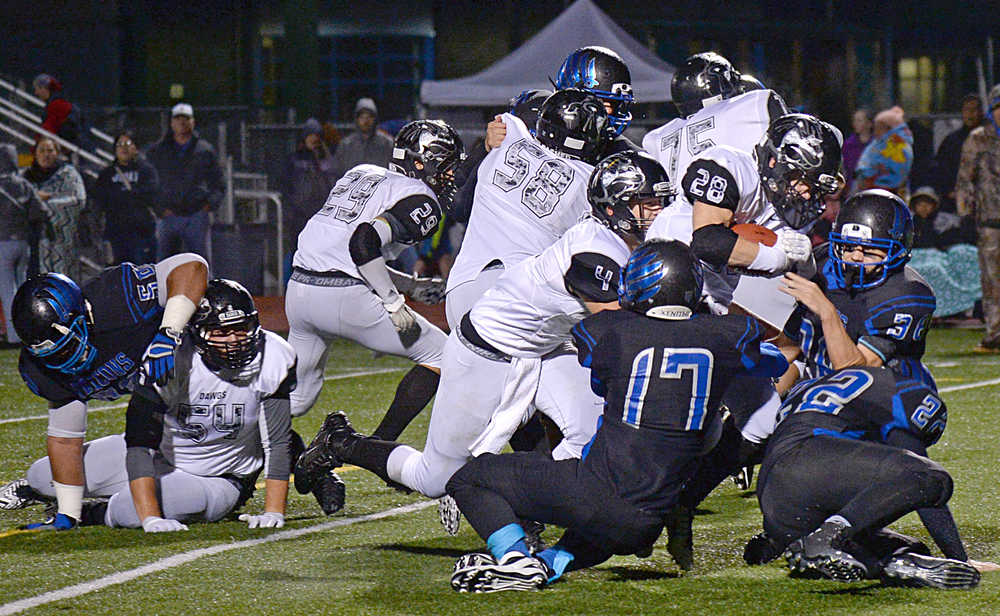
796 246
423 289
59 521
158 360
268 519
156 524
404 320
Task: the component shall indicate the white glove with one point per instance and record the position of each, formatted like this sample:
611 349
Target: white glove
404 320
156 524
268 519
797 246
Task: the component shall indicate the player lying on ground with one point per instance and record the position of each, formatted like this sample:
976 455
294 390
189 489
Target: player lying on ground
95 343
848 458
193 449
509 356
661 370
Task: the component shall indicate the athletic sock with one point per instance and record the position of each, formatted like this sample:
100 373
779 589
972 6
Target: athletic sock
556 559
506 539
413 393
372 454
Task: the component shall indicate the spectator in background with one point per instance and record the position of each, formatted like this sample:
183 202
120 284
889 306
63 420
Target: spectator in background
60 186
861 123
944 254
61 117
309 176
977 193
124 192
887 159
949 153
191 186
366 145
20 208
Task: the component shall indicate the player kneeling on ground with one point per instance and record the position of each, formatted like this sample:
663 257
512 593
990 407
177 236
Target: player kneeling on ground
848 458
660 410
192 449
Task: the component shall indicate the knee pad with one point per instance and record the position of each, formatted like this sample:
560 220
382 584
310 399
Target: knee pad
68 421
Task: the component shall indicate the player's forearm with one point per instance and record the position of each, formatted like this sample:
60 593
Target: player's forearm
744 253
842 351
143 491
275 495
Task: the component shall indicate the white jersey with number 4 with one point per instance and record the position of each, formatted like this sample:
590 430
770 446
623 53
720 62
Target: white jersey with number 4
526 198
739 122
364 193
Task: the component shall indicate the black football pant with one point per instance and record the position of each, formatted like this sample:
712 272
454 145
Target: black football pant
494 491
869 484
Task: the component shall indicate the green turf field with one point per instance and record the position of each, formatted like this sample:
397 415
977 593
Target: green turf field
400 563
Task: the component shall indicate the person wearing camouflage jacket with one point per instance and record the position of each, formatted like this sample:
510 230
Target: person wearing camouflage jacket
978 193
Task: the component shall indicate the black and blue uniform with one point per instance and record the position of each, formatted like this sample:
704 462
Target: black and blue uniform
126 315
890 319
662 381
854 443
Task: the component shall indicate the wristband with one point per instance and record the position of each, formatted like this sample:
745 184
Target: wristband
177 312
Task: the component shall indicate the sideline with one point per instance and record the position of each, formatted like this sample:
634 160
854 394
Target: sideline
176 560
121 405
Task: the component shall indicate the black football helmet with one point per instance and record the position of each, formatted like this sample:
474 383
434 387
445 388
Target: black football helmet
703 79
225 326
438 148
526 106
621 180
661 279
871 219
601 72
53 320
574 124
799 149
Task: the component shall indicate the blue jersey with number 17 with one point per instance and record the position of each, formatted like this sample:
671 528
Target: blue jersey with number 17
126 315
662 382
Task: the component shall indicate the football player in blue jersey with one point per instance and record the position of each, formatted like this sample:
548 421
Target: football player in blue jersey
849 457
98 342
602 72
662 371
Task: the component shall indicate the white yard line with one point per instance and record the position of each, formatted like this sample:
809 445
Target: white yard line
185 557
121 405
945 390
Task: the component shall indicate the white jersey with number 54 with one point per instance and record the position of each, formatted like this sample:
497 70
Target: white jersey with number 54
526 198
739 122
364 193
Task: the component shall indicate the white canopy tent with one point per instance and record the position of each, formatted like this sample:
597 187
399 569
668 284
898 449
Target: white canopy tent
531 64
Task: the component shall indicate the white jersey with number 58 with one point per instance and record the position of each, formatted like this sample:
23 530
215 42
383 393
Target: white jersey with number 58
364 193
739 122
526 198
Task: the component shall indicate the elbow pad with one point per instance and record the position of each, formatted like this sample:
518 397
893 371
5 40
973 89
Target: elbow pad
365 244
713 244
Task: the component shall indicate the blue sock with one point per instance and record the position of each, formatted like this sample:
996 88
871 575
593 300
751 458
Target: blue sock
510 537
557 559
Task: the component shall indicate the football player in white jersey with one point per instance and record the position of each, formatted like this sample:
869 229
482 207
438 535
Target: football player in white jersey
340 285
715 108
509 354
193 448
529 191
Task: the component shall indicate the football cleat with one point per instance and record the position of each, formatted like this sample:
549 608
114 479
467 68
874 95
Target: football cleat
533 536
744 478
330 493
515 571
449 514
59 521
820 552
18 495
336 436
680 540
909 569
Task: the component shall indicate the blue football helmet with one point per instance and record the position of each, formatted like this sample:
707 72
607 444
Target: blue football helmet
601 72
871 219
661 279
53 320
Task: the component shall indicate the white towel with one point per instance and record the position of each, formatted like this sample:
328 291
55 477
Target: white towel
514 408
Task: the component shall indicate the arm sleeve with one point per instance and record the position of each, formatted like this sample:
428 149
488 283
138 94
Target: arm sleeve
593 277
143 432
275 431
713 244
164 267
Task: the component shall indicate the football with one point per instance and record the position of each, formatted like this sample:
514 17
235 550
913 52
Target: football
756 233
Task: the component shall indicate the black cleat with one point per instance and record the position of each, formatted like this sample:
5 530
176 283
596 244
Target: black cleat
330 493
821 551
680 539
909 569
744 478
533 536
326 452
